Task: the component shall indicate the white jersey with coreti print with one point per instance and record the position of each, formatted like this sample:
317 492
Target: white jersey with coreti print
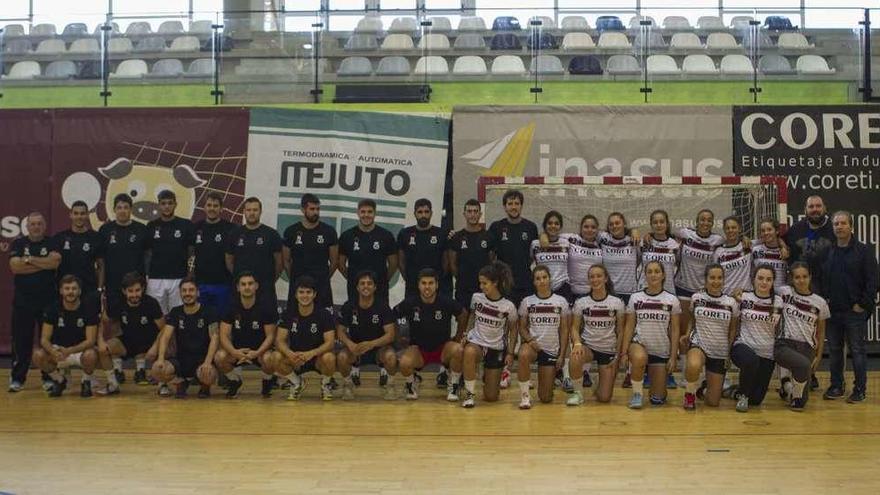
759 318
696 254
555 258
545 318
666 252
736 261
490 321
621 258
582 255
599 328
653 316
801 314
765 255
712 317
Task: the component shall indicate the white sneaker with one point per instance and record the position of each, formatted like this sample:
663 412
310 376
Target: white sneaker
326 392
452 392
505 378
412 390
525 401
347 389
635 402
575 399
295 391
468 401
164 390
390 393
15 387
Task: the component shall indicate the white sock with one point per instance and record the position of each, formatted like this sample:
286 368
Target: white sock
325 380
797 390
470 385
391 381
454 376
117 364
784 373
294 379
266 376
86 377
355 370
111 378
524 387
692 387
579 385
140 364
235 374
638 384
383 371
411 378
565 371
442 369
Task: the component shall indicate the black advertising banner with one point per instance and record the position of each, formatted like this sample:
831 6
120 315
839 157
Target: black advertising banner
830 151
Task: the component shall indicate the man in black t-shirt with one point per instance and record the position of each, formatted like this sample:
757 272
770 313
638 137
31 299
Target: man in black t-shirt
124 244
305 341
81 252
512 239
247 332
32 260
422 246
196 329
256 248
429 316
210 271
171 247
366 329
311 248
68 339
811 238
135 325
470 249
367 246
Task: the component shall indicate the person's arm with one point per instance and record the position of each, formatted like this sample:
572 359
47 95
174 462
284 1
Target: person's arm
99 271
18 266
869 294
46 341
563 338
342 336
226 340
386 338
342 265
48 262
333 253
229 258
190 260
470 324
285 259
628 330
279 263
731 331
327 346
525 336
148 259
577 321
282 345
214 335
89 342
461 325
401 259
393 265
620 331
452 261
269 329
820 344
673 341
511 341
167 332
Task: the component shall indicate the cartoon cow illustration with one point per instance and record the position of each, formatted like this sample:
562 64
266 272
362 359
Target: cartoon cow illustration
142 182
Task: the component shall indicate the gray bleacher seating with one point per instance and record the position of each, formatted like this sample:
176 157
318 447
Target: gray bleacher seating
813 65
119 45
685 41
508 65
393 66
434 42
469 41
546 65
361 42
741 21
722 42
84 46
17 47
440 25
710 23
200 27
699 65
613 39
170 27
355 66
622 65
60 69
662 65
75 29
575 23
506 41
471 24
404 25
654 41
114 29
793 41
636 20
749 38
577 41
89 70
166 68
369 24
200 67
44 29
397 41
152 44
544 21
469 65
676 22
51 47
130 69
185 44
26 69
736 64
431 65
138 28
775 64
11 30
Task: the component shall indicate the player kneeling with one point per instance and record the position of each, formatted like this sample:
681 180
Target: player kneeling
305 342
195 329
429 315
68 338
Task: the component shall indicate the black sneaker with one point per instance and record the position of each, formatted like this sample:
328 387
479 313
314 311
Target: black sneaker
701 391
204 392
356 379
383 377
274 382
814 382
442 379
417 376
140 377
856 396
797 405
266 389
782 393
222 381
57 388
120 376
657 401
180 392
588 382
333 384
232 387
833 393
85 389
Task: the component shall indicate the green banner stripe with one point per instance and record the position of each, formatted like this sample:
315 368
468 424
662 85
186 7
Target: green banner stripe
305 133
398 125
342 209
341 197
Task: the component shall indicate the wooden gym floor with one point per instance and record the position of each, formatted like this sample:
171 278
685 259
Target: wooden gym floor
138 443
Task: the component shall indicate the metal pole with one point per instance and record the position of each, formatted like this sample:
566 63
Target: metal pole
316 52
105 93
216 52
754 27
866 89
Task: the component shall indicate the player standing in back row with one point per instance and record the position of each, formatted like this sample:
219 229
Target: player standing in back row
256 248
367 247
170 248
212 234
422 246
311 248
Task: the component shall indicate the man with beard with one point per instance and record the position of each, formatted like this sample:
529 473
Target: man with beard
311 248
367 247
422 246
811 237
81 253
124 244
213 278
171 246
470 250
256 248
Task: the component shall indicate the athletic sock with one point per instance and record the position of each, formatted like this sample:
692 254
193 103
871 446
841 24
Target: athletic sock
86 377
454 376
565 371
111 378
524 387
797 390
325 380
391 381
235 374
117 364
579 385
442 369
266 376
692 387
470 385
293 378
411 378
140 364
638 384
56 375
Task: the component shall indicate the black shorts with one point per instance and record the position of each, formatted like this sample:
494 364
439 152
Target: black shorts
545 359
135 346
602 358
655 359
493 359
310 365
715 365
186 366
683 293
369 357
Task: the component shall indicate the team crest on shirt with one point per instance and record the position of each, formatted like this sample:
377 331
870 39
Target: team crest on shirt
525 236
417 316
144 320
237 325
357 246
124 319
484 244
412 240
66 245
60 321
293 328
434 239
375 245
240 242
177 234
112 238
259 241
320 239
133 238
199 238
86 247
438 315
504 235
218 238
314 328
157 234
255 325
181 324
354 319
375 318
463 244
80 322
299 239
201 323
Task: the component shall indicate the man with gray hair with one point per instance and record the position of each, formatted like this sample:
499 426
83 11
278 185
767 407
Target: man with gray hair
32 260
849 284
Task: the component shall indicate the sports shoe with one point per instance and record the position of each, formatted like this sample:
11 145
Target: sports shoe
140 377
731 392
701 390
567 385
557 379
333 383
15 386
383 377
222 381
670 382
120 376
505 378
742 404
274 382
627 381
797 405
690 402
164 390
57 388
442 379
856 396
468 401
588 382
348 389
47 384
575 399
412 390
295 391
108 390
657 401
85 389
266 388
525 401
452 392
355 376
232 387
180 389
635 401
833 393
326 391
390 393
814 382
785 389
204 392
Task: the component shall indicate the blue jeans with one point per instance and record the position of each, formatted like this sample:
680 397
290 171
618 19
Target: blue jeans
851 328
215 296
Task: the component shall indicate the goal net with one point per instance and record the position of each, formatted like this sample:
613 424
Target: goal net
748 198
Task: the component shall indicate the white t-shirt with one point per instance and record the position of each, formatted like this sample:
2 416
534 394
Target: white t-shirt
490 321
666 252
555 258
582 255
764 255
737 264
599 329
545 318
801 315
696 254
653 316
712 316
621 258
756 322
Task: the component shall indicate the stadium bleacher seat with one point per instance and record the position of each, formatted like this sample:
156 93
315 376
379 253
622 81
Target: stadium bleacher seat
654 40
249 67
84 46
60 69
741 21
393 66
685 41
505 41
440 25
431 65
12 30
721 42
585 65
469 41
26 69
362 42
119 45
369 24
613 40
546 65
152 44
355 66
676 22
710 23
778 23
575 23
394 42
793 41
469 65
90 69
166 68
434 42
545 22
75 29
471 24
660 65
775 64
114 29
406 25
17 47
542 40
130 69
185 44
698 65
200 27
736 64
139 28
44 29
609 23
635 22
622 65
51 47
170 27
506 23
763 39
813 65
200 67
508 65
577 41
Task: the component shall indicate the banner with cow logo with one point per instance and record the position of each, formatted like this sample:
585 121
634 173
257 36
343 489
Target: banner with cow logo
343 157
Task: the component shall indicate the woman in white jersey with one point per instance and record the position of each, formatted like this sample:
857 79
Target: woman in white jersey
735 257
714 326
620 254
697 247
543 325
553 254
662 247
597 324
492 335
760 312
584 251
771 250
652 330
799 348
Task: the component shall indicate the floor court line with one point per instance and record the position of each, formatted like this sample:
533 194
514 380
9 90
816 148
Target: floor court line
431 435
